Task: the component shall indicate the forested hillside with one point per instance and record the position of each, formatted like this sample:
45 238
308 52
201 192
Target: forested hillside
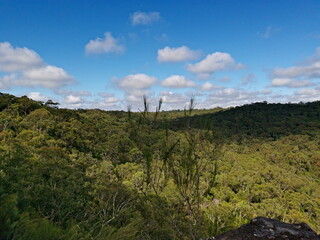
262 120
93 174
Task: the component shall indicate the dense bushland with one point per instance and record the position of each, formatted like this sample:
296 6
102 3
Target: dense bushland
92 174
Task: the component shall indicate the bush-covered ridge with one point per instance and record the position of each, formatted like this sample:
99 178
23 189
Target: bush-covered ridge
92 174
262 120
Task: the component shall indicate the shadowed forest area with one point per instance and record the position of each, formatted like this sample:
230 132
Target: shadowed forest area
93 174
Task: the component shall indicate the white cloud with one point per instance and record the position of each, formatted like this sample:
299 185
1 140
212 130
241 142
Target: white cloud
182 53
214 62
109 99
109 102
81 93
75 99
37 96
299 76
290 83
171 97
225 97
177 81
137 81
17 59
144 18
7 80
72 99
307 70
308 91
207 86
75 105
136 95
46 77
106 45
306 95
312 70
25 67
173 100
135 86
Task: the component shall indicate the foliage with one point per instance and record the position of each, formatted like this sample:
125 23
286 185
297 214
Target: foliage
91 174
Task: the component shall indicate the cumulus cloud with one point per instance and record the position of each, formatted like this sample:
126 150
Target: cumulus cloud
290 83
24 67
109 99
81 93
7 81
144 18
72 99
214 62
135 86
308 92
171 97
311 71
135 96
37 96
207 86
173 100
109 102
225 97
14 59
75 99
177 81
170 100
179 54
299 75
137 81
306 95
108 44
46 77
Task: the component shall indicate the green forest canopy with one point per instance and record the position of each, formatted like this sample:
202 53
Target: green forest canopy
93 174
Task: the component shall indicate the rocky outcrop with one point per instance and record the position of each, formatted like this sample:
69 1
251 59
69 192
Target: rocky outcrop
265 229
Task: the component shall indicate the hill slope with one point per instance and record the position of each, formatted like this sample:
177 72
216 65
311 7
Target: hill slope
92 174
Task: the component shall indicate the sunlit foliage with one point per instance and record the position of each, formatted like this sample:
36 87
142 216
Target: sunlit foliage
92 174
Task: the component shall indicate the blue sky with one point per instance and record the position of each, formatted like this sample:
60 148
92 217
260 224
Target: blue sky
108 54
